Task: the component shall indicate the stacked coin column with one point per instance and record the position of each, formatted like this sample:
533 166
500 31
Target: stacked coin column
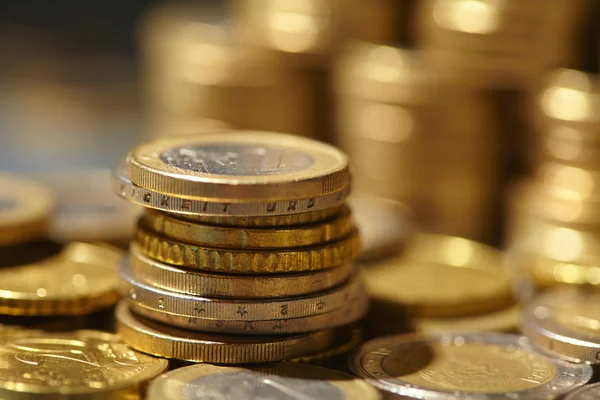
250 237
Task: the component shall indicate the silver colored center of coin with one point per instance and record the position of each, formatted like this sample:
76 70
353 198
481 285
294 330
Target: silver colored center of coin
249 385
7 204
240 160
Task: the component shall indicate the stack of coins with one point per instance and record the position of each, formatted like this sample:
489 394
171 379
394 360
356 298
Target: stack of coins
249 237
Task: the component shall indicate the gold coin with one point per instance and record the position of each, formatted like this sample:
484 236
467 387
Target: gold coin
346 339
217 259
25 209
546 272
560 179
79 365
506 320
274 381
239 167
80 279
153 273
441 276
170 342
241 237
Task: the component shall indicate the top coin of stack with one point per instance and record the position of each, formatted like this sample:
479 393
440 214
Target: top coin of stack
252 236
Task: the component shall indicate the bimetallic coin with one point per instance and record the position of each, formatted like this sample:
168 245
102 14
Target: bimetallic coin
82 278
198 283
248 261
241 237
588 392
467 366
170 342
239 167
283 381
77 365
25 209
565 323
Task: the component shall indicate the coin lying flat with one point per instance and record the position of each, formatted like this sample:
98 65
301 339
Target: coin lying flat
194 282
170 342
440 276
77 365
283 381
347 338
239 167
80 279
506 320
466 366
25 209
565 323
588 392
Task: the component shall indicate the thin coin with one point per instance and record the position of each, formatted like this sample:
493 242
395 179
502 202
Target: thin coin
25 209
239 167
198 283
490 366
241 237
78 365
588 392
249 261
236 309
356 309
283 381
547 272
80 279
506 320
565 323
170 342
347 338
441 276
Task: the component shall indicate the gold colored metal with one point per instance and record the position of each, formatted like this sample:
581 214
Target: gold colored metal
82 278
346 339
507 320
216 259
242 238
77 365
441 276
239 166
25 209
151 272
566 180
166 341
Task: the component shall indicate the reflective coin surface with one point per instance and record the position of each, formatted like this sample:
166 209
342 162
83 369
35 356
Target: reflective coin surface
588 392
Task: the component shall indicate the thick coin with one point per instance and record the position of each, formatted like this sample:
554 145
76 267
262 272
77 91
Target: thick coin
80 279
25 209
240 167
588 392
466 366
236 309
170 342
242 261
283 381
77 365
565 323
356 309
441 276
242 237
198 283
506 320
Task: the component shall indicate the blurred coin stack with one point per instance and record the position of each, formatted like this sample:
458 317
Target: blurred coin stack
244 253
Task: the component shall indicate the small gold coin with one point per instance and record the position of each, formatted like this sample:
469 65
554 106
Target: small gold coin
170 342
243 237
77 365
441 276
82 278
251 261
346 339
239 167
25 209
283 381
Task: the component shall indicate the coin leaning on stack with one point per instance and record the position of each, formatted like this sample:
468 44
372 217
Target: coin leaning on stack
245 252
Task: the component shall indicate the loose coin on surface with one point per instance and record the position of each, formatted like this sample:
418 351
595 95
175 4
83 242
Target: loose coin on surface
347 338
25 209
248 261
198 283
441 276
170 342
565 323
80 279
284 381
506 320
588 392
473 366
240 167
77 365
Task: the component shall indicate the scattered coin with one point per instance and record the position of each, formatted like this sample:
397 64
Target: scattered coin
506 320
588 392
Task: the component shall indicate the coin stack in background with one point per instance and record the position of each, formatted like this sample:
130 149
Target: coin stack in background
246 235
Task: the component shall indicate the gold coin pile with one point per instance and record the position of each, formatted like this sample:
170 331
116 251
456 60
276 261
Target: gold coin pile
245 251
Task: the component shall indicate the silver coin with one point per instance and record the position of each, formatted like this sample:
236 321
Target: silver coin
478 366
565 323
588 392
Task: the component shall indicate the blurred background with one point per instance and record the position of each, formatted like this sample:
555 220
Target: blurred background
480 116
